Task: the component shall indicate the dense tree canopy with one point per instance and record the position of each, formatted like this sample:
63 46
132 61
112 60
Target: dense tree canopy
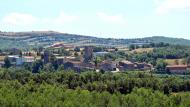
90 89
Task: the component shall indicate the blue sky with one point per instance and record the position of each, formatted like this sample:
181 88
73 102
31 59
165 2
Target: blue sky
101 18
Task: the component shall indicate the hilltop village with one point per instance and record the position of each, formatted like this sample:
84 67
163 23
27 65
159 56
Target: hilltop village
88 58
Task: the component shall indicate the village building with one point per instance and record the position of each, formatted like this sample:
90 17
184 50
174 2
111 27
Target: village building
46 56
79 66
88 54
60 59
100 53
63 59
148 67
126 65
28 59
59 45
29 53
143 66
108 66
177 69
16 60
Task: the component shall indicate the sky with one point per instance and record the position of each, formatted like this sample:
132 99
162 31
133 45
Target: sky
100 18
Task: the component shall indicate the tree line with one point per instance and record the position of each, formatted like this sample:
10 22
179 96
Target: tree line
69 89
110 82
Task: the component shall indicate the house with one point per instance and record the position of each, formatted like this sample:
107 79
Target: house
18 61
139 66
62 45
60 59
100 53
68 47
15 60
70 58
108 66
29 53
148 66
28 59
63 59
78 65
177 69
126 65
143 66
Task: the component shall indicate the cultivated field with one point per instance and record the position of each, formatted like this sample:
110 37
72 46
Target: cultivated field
175 61
141 50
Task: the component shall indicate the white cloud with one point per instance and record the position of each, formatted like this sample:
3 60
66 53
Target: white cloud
165 6
111 18
64 18
19 19
22 19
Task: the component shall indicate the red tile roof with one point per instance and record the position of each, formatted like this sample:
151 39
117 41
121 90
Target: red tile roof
177 67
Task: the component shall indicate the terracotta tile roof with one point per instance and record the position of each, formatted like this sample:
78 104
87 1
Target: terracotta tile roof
177 67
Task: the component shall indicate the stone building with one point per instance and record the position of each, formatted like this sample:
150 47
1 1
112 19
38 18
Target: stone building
177 69
46 57
126 65
88 54
108 66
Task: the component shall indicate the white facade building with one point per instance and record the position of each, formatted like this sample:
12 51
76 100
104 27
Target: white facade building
18 61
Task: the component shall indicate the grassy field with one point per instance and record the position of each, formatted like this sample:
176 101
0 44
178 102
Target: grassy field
175 61
141 50
2 58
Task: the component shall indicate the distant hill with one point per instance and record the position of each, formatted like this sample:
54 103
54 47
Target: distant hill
179 41
26 40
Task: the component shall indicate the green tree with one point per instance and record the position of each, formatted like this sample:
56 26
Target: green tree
161 65
37 66
7 62
97 61
131 47
176 62
166 89
77 49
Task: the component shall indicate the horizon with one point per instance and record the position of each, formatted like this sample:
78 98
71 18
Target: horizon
124 19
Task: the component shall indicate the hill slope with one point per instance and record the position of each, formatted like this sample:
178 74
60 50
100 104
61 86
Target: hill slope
32 39
179 41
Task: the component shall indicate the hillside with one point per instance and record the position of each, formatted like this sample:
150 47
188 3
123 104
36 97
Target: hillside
157 39
32 39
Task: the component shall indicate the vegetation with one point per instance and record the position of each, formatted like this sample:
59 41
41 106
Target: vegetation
19 87
7 63
174 41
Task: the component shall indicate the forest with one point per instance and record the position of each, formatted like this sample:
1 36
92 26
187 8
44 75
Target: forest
22 88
